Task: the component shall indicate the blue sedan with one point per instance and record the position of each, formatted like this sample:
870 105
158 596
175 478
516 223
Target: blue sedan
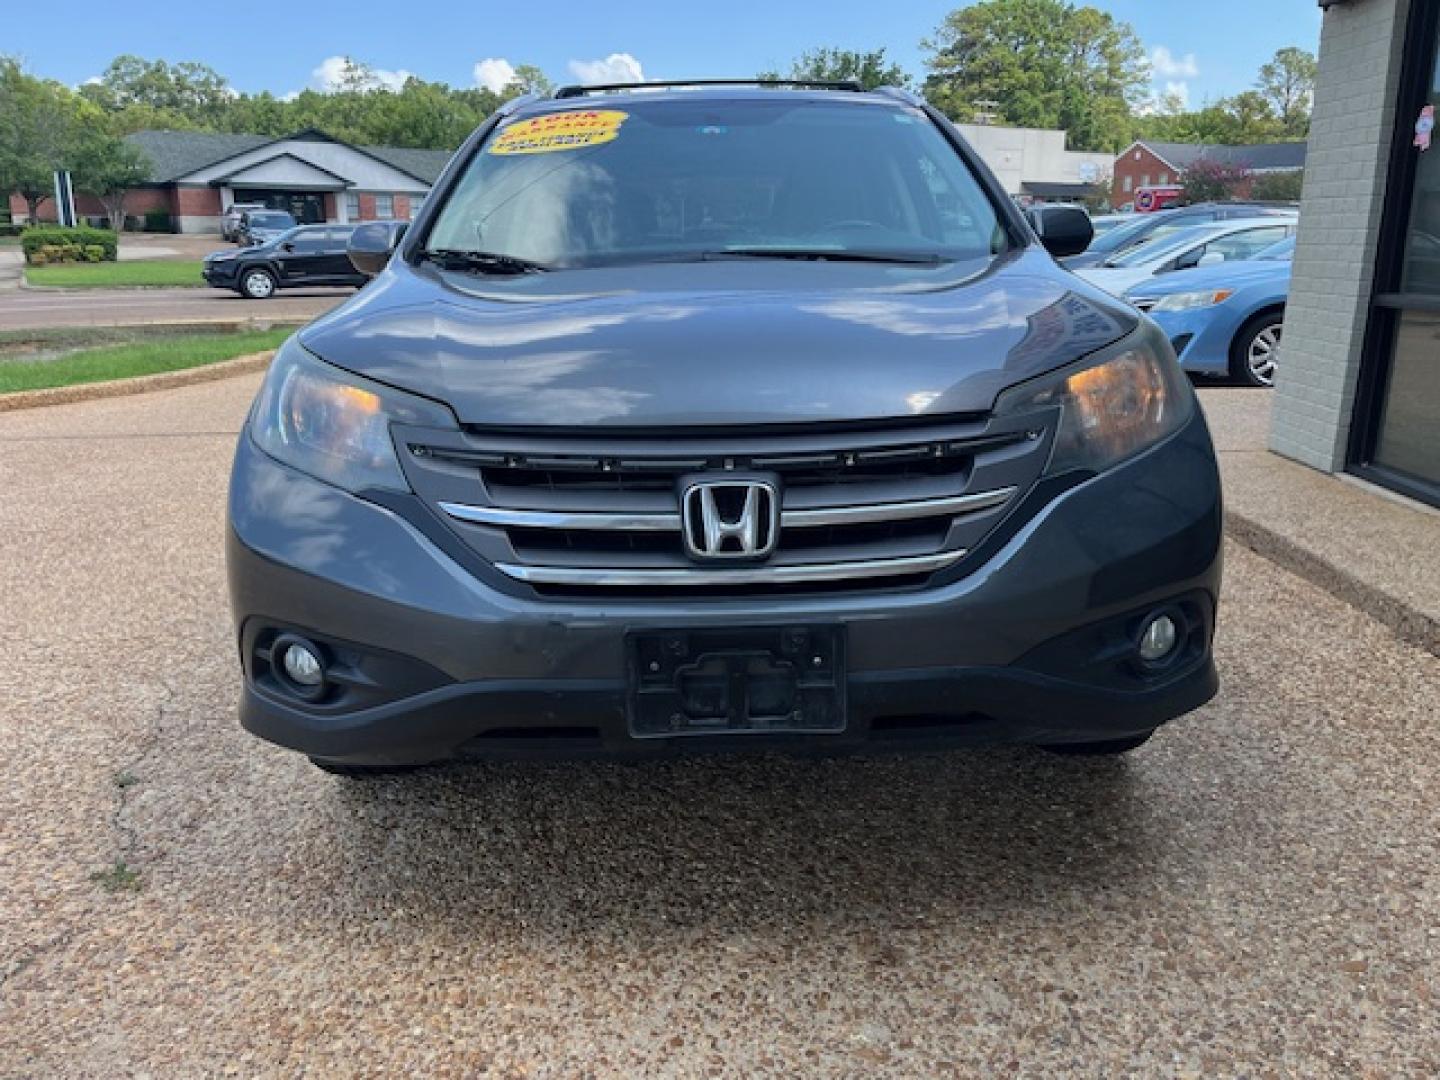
1224 319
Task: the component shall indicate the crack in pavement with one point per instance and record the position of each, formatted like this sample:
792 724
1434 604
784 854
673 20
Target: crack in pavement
129 833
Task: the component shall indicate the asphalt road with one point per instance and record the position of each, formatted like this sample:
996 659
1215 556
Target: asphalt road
1256 892
34 309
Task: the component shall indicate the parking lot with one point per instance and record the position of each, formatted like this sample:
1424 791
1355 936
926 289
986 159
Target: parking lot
1257 891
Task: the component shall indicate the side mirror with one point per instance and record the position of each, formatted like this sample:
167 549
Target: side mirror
1064 230
1211 258
372 244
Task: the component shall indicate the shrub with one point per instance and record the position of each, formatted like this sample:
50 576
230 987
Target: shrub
94 253
10 229
59 244
1278 187
157 221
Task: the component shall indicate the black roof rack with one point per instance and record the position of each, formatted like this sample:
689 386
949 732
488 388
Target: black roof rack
851 85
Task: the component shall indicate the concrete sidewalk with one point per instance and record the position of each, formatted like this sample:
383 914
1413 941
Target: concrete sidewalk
1374 550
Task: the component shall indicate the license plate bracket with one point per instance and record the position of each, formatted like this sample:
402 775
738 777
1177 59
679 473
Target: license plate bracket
736 681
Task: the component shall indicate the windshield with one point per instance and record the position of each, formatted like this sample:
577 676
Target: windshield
1284 251
276 220
669 180
1159 251
1122 236
1103 225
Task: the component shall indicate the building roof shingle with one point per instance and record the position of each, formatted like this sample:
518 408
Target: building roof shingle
174 154
1257 157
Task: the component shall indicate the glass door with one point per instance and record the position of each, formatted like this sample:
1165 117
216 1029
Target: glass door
1397 421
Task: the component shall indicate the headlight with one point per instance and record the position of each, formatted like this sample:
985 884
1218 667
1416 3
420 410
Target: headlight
1188 301
334 425
1113 405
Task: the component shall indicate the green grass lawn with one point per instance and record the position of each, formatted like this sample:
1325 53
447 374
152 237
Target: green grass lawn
156 272
166 353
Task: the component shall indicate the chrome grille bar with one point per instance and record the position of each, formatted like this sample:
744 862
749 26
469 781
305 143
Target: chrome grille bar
798 574
895 511
790 519
560 519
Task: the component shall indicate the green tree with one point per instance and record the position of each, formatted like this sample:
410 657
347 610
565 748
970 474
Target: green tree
829 64
1040 63
109 169
1287 83
528 79
184 89
36 131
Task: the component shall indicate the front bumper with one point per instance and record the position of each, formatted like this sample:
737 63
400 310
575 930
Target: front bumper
222 275
1031 645
1201 338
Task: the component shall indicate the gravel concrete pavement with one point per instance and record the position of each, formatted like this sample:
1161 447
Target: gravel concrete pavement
1256 892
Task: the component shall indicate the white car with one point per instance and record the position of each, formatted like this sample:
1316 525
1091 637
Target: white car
1199 245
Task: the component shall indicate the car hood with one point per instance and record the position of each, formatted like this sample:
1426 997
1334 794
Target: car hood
1231 275
718 343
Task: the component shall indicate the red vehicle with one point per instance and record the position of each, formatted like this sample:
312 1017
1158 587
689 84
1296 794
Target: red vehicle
1159 197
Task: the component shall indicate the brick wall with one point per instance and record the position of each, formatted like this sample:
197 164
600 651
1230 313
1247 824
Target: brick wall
1345 176
136 203
1140 168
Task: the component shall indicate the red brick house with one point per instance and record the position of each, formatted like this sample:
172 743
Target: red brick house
196 175
1151 164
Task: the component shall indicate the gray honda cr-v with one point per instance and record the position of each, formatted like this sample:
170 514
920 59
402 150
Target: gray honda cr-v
715 416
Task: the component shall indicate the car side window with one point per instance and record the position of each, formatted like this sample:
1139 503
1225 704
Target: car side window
310 242
1242 245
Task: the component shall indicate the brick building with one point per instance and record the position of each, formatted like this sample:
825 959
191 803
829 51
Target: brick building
1358 389
1154 164
196 175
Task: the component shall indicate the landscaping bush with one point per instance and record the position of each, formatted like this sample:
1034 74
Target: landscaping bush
53 244
9 229
157 221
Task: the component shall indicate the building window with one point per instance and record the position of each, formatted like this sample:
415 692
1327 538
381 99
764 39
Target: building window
416 201
384 207
352 206
1164 178
1128 184
1145 180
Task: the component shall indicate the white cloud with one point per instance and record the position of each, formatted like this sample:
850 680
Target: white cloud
1166 65
615 68
494 73
330 76
1177 91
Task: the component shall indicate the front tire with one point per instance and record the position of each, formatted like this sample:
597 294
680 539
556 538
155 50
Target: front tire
1255 352
257 284
1107 748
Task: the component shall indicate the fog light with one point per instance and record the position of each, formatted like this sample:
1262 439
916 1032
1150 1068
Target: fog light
1158 639
302 666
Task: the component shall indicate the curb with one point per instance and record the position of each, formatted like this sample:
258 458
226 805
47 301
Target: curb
1407 623
141 384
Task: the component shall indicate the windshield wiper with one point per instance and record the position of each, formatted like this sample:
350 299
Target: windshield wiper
484 262
828 255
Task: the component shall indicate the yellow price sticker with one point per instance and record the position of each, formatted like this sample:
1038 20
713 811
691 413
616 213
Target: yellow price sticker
559 131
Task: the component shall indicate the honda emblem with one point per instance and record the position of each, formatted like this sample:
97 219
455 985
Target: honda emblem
731 519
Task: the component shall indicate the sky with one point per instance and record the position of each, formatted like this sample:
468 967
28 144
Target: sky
1202 50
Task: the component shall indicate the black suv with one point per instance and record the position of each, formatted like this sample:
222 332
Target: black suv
303 256
721 416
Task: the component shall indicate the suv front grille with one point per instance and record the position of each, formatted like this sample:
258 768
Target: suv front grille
584 514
